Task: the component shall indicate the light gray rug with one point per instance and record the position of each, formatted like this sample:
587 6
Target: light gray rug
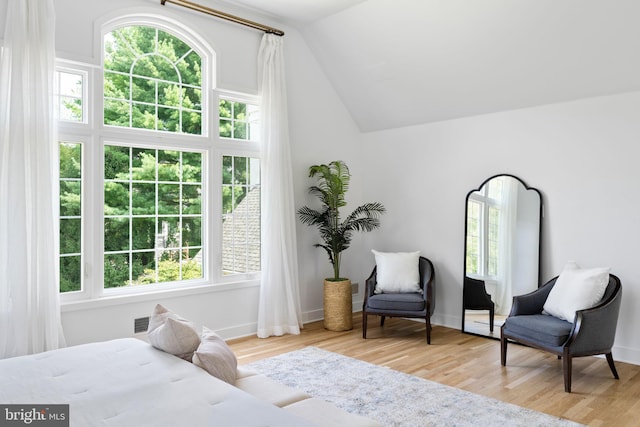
393 398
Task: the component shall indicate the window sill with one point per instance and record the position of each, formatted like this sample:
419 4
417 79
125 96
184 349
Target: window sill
130 298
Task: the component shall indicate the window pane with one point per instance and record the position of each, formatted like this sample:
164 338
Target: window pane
240 130
172 47
473 237
191 199
117 113
157 238
70 274
169 267
493 232
191 232
191 167
144 164
70 109
143 198
191 69
241 215
70 193
168 199
116 198
70 229
226 130
192 98
68 92
70 160
70 185
192 122
116 234
144 233
143 116
116 162
239 111
238 120
116 85
169 119
168 165
143 90
169 94
144 268
116 270
225 109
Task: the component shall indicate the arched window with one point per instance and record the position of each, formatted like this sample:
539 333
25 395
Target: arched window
179 184
152 80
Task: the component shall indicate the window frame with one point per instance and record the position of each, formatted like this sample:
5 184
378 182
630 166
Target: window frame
75 68
237 148
94 134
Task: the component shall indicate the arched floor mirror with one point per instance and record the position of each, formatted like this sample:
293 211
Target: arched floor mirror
503 221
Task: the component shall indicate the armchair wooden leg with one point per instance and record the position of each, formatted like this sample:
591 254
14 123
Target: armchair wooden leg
381 321
566 367
428 327
503 350
491 317
612 366
364 325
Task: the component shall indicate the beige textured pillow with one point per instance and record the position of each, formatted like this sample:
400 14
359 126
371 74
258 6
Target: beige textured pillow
172 333
216 357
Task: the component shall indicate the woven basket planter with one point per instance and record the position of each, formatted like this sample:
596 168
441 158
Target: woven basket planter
338 305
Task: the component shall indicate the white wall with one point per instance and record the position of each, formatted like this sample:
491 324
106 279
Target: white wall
582 156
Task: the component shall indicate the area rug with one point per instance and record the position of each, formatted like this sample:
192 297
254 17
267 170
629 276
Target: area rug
391 397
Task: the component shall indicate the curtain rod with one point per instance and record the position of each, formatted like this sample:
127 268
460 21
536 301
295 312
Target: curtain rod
223 15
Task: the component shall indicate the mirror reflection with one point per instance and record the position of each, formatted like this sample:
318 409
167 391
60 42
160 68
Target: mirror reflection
502 247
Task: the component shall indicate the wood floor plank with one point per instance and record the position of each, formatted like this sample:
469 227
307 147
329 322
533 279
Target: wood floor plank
532 378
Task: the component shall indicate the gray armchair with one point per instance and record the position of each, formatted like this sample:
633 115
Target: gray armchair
592 332
413 304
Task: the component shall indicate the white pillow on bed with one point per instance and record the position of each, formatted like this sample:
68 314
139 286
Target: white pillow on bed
172 333
216 357
397 271
576 289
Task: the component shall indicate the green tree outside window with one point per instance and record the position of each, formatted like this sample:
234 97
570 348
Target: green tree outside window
152 80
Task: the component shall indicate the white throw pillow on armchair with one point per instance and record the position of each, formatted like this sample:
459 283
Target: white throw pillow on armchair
576 289
397 272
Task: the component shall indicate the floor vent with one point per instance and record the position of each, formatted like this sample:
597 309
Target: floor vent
140 325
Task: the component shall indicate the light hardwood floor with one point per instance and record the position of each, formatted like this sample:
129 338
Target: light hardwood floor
532 378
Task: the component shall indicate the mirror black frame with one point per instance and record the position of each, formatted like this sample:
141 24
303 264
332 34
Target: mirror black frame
485 300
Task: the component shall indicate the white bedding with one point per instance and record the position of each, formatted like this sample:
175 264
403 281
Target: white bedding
127 382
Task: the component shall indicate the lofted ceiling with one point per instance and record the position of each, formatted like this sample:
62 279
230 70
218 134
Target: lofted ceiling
398 63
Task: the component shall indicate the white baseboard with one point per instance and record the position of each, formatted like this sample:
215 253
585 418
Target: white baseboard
626 355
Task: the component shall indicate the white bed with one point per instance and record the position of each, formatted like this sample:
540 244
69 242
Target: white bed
127 382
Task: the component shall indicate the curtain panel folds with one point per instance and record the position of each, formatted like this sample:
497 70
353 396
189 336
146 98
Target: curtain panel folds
279 305
29 298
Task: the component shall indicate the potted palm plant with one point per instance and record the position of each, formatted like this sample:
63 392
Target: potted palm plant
336 234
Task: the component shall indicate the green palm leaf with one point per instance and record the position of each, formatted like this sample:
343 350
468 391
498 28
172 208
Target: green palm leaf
333 183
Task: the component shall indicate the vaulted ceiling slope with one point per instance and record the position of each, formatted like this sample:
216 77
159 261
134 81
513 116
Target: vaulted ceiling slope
397 63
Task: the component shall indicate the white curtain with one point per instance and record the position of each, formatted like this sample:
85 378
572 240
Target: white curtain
29 299
507 231
279 306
